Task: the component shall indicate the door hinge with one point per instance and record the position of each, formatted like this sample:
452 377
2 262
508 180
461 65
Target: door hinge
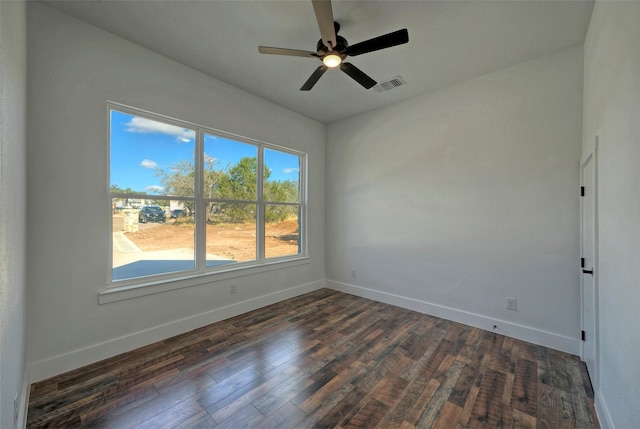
582 191
583 335
581 262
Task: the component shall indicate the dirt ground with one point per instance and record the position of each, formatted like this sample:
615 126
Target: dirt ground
234 241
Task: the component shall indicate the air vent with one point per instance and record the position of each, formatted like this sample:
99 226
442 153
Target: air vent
389 84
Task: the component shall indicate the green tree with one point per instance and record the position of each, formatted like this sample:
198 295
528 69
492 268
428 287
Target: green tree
115 189
179 179
239 183
280 192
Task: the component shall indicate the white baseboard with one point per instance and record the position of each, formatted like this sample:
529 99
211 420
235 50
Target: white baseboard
525 333
604 417
77 358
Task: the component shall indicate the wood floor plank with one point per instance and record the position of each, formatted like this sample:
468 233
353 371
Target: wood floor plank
325 359
238 400
283 393
246 417
489 410
314 401
339 415
507 394
173 416
201 420
439 400
525 387
461 389
523 421
138 415
122 402
369 415
389 389
218 393
326 408
579 397
186 386
472 395
465 415
414 412
554 408
414 369
320 378
287 416
448 417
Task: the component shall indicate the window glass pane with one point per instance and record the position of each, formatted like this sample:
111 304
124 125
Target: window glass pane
281 177
153 181
231 233
151 157
230 169
147 241
282 230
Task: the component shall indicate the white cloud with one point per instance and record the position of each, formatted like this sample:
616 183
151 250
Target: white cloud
148 126
147 163
290 170
154 188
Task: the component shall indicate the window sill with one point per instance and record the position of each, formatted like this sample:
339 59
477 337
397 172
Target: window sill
121 293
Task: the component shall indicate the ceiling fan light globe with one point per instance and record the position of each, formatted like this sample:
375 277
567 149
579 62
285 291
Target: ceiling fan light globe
332 60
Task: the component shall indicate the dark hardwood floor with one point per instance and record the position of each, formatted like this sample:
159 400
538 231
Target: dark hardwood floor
324 359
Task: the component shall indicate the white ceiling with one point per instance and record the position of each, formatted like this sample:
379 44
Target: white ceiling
449 42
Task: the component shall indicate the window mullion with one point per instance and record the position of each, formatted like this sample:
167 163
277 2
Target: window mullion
302 208
201 221
260 213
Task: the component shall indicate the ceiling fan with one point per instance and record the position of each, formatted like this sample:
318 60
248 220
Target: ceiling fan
332 49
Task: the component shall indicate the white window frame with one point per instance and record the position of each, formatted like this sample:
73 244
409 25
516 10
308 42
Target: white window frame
124 289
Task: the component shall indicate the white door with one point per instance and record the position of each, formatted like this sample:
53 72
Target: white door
589 284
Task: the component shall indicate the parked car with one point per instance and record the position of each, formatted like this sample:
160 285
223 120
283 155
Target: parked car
151 214
178 213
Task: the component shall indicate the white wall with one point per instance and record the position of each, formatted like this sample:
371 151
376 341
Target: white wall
452 201
74 69
13 139
612 112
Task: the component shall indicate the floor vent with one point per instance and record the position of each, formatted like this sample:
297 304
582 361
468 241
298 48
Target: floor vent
389 84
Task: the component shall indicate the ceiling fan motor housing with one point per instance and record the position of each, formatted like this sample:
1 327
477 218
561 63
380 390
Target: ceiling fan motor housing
341 47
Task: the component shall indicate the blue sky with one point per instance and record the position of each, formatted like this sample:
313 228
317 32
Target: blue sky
140 146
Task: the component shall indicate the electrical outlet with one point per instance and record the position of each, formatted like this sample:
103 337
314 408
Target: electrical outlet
233 289
15 409
512 304
353 274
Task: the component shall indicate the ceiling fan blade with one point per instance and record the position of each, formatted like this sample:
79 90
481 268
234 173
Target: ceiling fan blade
285 51
315 76
381 42
324 16
358 75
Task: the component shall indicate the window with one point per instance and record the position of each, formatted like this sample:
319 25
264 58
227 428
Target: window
187 200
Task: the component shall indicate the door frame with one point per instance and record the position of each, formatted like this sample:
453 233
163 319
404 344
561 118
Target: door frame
591 154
